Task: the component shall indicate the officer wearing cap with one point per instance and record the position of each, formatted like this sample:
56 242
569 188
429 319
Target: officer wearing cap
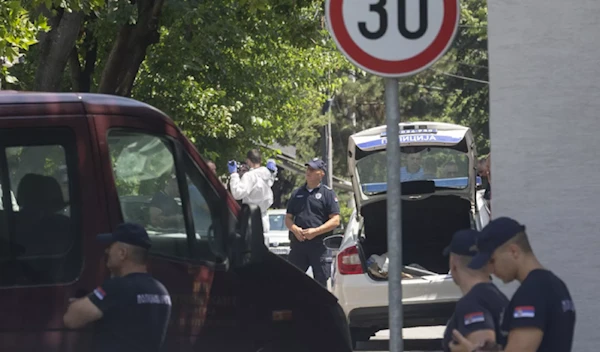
130 310
541 315
313 213
477 313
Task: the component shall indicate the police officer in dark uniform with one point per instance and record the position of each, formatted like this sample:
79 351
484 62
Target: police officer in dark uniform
541 315
131 310
477 314
313 213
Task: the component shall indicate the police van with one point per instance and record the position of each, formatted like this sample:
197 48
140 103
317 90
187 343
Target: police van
439 196
76 165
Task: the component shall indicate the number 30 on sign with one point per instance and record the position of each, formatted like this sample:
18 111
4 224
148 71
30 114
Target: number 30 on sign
393 38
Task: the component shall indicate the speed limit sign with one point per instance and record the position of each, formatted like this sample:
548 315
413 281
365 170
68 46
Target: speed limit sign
393 38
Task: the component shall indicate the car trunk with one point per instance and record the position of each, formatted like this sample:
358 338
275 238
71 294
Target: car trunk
427 228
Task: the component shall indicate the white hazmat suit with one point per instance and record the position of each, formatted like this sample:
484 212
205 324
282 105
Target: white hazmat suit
254 187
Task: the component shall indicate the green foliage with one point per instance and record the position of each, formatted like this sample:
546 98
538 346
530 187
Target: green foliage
21 22
17 34
240 77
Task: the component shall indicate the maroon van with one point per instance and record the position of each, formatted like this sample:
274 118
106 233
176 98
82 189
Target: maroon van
75 165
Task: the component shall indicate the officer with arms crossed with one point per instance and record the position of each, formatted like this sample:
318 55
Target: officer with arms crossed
541 315
313 213
131 310
477 314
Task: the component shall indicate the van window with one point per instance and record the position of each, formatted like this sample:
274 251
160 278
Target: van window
146 178
38 242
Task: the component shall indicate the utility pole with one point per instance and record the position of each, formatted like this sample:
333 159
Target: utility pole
329 148
326 143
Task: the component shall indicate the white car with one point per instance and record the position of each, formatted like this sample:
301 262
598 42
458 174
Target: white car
443 200
277 239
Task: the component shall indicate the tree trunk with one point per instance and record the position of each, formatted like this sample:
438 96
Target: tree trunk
129 50
55 48
81 77
75 69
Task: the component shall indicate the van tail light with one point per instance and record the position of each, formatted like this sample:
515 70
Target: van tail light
348 261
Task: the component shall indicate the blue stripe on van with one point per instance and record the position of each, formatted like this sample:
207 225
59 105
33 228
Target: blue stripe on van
416 138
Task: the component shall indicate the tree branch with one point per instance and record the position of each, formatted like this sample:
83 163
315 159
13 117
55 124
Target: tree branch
75 69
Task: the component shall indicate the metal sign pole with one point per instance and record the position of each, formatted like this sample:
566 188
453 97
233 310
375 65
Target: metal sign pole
394 215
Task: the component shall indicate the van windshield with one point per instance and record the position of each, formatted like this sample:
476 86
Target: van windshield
447 167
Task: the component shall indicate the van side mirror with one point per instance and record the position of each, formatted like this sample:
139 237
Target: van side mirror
249 242
333 242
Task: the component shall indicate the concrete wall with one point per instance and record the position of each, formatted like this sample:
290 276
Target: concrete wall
545 138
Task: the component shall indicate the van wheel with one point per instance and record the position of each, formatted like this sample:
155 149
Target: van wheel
360 335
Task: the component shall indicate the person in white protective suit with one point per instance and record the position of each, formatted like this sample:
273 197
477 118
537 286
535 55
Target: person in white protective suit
254 186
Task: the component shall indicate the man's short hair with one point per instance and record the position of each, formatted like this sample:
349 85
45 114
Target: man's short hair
138 255
463 260
254 156
522 241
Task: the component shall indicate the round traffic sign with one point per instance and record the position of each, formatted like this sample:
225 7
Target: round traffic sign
393 38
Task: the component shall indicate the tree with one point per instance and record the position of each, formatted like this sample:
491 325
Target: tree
232 74
18 32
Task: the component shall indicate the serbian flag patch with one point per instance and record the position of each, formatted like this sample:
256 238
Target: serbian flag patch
524 312
476 317
99 292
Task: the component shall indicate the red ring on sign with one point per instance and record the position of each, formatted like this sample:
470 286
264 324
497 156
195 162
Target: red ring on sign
415 63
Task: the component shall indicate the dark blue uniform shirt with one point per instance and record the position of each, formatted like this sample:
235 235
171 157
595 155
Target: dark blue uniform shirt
480 309
542 301
312 209
137 309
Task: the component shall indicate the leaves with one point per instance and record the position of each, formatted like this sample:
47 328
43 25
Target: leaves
18 30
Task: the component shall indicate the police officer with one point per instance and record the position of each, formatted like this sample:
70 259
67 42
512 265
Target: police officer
131 310
477 313
541 315
313 213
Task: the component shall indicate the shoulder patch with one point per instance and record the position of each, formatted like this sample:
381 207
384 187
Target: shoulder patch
99 292
476 317
524 312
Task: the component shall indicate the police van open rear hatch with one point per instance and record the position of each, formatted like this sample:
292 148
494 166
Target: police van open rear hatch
438 190
431 151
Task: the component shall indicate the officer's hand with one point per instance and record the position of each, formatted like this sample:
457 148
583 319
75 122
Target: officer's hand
309 233
461 344
297 231
232 166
